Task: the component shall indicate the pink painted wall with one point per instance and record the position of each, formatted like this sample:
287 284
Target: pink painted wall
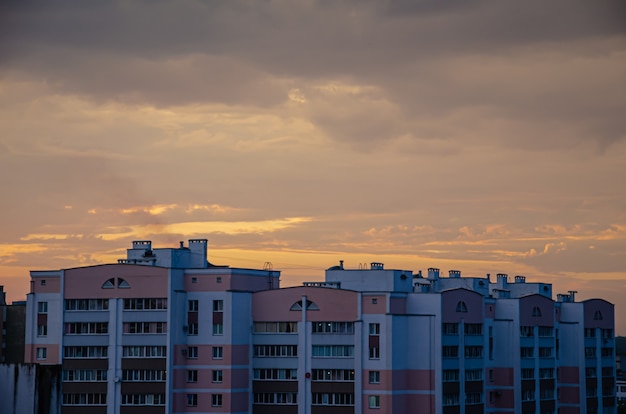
230 402
473 300
334 304
569 375
397 305
528 303
52 354
413 403
606 308
232 355
53 284
501 376
145 281
378 308
506 399
229 281
569 395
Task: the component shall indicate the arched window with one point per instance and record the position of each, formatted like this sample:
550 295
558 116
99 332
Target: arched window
461 307
536 311
597 316
309 306
109 284
122 284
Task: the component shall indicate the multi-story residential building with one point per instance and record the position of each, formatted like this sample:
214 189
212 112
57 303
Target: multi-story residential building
12 325
165 331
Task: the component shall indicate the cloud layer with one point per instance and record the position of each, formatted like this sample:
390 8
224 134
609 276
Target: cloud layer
487 136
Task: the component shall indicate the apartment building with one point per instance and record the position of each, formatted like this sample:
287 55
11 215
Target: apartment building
165 331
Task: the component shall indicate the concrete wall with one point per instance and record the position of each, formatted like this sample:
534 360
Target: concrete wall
30 389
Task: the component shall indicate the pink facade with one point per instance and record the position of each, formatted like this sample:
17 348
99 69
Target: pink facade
332 304
144 281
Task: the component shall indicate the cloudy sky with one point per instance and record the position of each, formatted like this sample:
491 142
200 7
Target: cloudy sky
485 136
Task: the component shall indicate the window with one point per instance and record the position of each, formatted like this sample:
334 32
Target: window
336 375
192 329
43 282
374 352
341 399
528 395
218 329
282 374
374 301
461 306
450 375
42 330
546 373
218 305
282 398
545 352
219 279
546 331
473 398
192 375
143 399
536 312
590 372
597 316
277 351
145 327
192 352
333 327
590 352
374 329
83 352
109 284
192 400
42 353
450 329
590 332
473 329
84 375
86 304
192 306
450 399
473 352
332 351
450 351
84 399
527 331
526 352
143 375
145 304
218 352
122 284
277 327
217 375
606 352
194 280
528 373
144 351
216 400
374 401
42 307
86 328
374 377
473 375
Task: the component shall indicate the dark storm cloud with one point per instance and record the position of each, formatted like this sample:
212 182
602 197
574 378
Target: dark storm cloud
549 69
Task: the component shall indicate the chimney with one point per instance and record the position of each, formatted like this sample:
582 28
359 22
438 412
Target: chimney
454 274
502 280
341 264
572 295
520 279
433 273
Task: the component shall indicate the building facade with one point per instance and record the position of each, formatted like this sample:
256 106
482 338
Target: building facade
12 326
164 331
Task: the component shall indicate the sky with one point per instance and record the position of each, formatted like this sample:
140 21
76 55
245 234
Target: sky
485 136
